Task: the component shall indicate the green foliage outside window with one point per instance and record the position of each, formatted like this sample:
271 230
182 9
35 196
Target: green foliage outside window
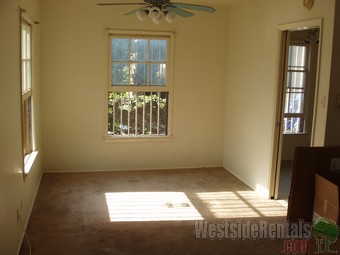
137 113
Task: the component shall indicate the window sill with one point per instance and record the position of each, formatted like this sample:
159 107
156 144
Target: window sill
142 139
29 161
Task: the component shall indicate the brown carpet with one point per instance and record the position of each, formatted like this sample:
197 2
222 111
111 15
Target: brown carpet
145 212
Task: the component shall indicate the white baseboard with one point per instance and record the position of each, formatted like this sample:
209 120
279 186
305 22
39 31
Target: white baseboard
133 169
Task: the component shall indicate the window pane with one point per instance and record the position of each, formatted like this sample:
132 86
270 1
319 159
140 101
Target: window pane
139 50
293 125
296 68
295 89
26 57
110 120
158 74
125 109
158 50
297 56
124 124
138 62
120 49
28 42
140 112
28 77
115 116
147 116
133 117
286 103
24 76
120 74
27 125
138 74
23 46
163 114
137 113
155 113
294 102
30 134
296 79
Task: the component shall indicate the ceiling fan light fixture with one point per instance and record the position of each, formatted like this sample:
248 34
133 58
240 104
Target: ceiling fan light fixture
155 12
158 20
170 17
160 10
141 14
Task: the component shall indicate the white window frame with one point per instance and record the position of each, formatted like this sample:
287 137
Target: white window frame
302 115
170 37
27 97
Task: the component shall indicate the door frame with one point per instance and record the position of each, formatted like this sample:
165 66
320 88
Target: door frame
278 133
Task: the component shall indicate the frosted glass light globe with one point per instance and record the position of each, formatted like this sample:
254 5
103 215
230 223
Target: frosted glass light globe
159 20
170 17
141 14
155 13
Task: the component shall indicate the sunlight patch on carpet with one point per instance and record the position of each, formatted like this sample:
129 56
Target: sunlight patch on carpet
150 206
240 204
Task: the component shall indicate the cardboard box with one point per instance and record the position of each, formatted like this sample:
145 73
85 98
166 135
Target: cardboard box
309 161
325 231
326 200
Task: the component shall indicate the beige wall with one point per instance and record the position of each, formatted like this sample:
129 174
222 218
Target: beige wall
207 103
254 45
13 188
75 76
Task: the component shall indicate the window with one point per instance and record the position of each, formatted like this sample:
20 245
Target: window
26 88
140 89
294 111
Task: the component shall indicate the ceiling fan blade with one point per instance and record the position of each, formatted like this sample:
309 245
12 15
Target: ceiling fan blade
195 7
106 4
178 11
134 11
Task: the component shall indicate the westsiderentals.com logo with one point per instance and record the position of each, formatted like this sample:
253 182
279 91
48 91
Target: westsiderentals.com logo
296 236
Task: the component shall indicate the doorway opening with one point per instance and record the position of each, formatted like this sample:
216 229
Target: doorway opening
297 93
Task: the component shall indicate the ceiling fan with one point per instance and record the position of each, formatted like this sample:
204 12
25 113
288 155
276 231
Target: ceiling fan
160 10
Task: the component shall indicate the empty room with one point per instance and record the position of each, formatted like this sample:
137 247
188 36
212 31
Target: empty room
156 127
